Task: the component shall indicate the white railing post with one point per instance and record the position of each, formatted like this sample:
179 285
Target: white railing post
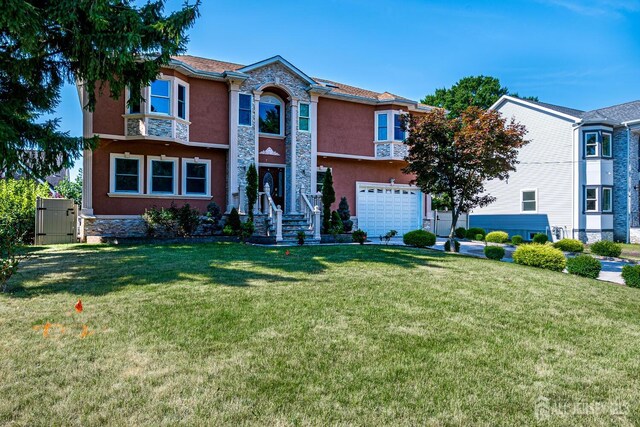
278 224
242 195
316 223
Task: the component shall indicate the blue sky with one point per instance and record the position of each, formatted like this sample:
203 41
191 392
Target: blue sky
580 54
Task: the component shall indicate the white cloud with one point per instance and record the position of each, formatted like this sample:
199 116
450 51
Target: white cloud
597 7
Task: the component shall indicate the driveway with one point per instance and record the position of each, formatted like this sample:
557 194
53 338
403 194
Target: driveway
611 269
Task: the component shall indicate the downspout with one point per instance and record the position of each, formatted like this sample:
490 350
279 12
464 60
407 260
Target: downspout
628 179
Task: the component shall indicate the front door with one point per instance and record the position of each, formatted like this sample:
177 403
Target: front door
274 176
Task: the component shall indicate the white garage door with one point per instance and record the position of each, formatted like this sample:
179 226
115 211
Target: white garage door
383 207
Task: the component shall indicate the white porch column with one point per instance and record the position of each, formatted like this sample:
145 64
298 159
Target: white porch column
256 123
294 154
232 175
87 183
313 116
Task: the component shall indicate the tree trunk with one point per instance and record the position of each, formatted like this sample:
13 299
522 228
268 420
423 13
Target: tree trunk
455 213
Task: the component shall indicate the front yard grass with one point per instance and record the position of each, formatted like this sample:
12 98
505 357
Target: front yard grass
364 335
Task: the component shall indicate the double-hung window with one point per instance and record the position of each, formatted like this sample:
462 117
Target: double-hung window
607 195
382 127
161 97
606 144
529 201
591 144
162 173
303 119
244 107
195 173
398 133
182 102
591 199
126 173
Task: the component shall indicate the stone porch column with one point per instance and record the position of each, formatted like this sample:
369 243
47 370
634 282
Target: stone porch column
294 166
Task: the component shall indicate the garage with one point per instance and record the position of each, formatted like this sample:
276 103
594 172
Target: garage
381 208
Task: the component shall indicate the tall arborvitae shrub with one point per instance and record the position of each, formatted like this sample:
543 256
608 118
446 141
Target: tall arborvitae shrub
345 215
328 197
252 189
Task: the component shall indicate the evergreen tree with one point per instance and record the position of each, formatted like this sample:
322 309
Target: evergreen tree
328 197
345 215
252 189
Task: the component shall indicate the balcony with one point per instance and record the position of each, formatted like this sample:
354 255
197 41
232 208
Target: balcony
157 126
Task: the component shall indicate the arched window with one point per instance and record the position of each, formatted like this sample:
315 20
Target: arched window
271 115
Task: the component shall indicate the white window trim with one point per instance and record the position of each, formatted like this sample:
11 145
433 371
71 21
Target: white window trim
282 114
610 189
207 177
391 114
522 191
597 144
178 82
610 144
150 175
250 110
112 172
300 116
597 199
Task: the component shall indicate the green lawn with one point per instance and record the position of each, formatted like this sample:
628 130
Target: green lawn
361 335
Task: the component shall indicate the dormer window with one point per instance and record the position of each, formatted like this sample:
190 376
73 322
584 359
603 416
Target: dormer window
271 115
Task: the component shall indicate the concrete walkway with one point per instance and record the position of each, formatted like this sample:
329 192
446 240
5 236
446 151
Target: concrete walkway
611 269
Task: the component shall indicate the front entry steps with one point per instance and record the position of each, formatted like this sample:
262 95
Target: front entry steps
291 224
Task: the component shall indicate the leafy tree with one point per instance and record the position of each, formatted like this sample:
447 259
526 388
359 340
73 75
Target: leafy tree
457 155
328 197
479 91
252 189
345 215
44 44
71 189
18 205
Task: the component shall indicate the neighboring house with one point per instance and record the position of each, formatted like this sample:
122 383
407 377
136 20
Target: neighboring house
577 178
203 122
52 180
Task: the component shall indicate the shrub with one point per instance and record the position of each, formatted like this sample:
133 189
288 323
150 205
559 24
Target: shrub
10 251
460 232
473 232
234 221
359 236
213 217
517 239
71 189
246 230
345 215
631 275
227 230
336 223
540 238
479 237
419 239
542 256
494 252
585 266
456 246
188 220
569 245
301 237
606 248
18 205
172 221
497 237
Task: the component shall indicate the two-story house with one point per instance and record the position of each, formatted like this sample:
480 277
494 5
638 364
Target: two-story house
203 122
577 178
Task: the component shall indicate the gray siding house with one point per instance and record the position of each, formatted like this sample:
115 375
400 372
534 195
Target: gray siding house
577 178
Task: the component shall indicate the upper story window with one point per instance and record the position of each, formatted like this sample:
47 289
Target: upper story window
382 127
398 133
182 102
529 201
303 119
244 113
591 144
271 115
606 144
591 199
134 106
161 97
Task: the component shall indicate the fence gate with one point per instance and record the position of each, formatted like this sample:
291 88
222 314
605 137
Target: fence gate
443 222
56 221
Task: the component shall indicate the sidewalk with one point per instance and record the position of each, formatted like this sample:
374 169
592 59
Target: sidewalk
611 270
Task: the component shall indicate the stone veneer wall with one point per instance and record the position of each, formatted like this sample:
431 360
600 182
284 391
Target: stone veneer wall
182 131
625 167
589 237
160 127
135 127
280 76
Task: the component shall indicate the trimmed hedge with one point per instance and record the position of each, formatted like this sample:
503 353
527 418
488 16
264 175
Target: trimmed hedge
517 240
460 232
494 252
606 248
585 266
497 237
631 275
540 238
542 256
419 238
474 231
569 245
